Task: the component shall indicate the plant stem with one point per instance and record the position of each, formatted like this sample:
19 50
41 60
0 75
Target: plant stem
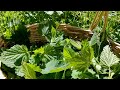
63 77
99 51
56 75
109 77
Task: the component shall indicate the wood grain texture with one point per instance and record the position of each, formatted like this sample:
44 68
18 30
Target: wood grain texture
75 32
34 35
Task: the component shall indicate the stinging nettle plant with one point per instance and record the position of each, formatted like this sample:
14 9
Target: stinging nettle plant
62 57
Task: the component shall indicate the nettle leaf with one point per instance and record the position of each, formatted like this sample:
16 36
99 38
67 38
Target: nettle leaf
29 73
49 12
95 39
87 52
45 30
54 66
15 55
49 50
64 42
39 50
35 59
116 69
52 50
89 74
75 74
34 67
59 12
71 56
107 57
19 71
56 37
68 53
76 44
53 31
79 61
57 24
56 41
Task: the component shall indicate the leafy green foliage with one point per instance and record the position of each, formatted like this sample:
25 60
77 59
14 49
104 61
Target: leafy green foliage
39 50
116 68
81 60
107 57
19 71
54 66
15 55
89 74
61 57
34 67
29 73
22 33
53 31
75 74
76 44
95 39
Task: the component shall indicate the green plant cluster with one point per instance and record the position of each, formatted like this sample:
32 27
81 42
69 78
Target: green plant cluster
61 57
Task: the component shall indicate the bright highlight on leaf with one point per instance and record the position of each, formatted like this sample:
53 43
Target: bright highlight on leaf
54 66
40 50
107 57
76 44
29 73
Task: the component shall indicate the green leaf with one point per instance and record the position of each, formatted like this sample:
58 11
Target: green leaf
56 41
76 44
87 52
29 73
79 61
52 50
107 57
94 39
15 54
34 67
7 34
39 50
45 30
67 52
19 71
53 31
54 66
59 12
75 74
35 59
48 49
116 68
49 12
57 24
89 74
